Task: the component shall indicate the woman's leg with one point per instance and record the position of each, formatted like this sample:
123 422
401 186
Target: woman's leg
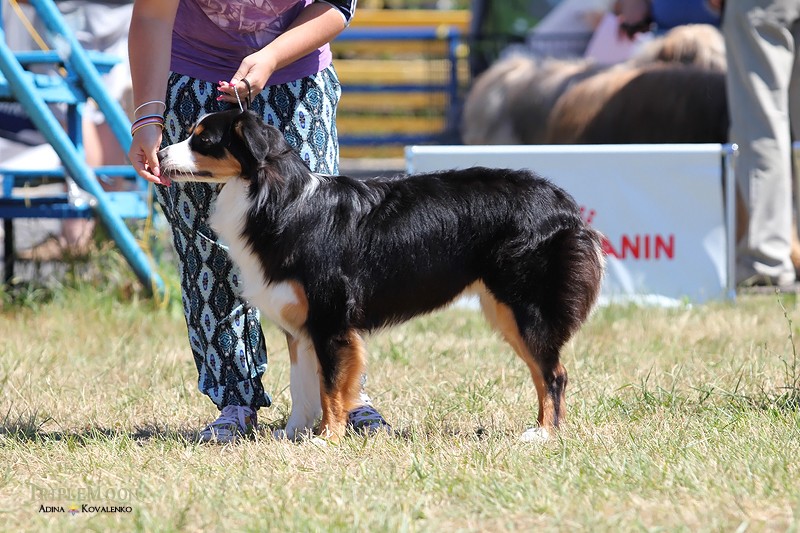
224 333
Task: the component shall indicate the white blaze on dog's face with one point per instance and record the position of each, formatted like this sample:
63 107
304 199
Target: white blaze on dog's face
204 156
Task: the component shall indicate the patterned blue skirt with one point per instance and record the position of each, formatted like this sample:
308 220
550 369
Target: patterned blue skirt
224 333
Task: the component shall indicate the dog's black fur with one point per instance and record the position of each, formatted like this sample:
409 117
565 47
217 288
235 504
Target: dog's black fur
370 253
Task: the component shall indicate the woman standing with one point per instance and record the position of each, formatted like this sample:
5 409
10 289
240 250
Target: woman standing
276 55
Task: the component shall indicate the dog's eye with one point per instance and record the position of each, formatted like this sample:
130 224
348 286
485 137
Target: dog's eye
202 142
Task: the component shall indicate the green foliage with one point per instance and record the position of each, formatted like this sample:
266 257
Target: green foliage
102 269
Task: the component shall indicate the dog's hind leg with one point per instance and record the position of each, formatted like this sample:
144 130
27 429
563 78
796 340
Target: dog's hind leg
342 360
549 376
538 306
304 389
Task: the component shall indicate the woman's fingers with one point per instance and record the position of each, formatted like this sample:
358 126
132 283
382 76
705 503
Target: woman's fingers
236 91
144 155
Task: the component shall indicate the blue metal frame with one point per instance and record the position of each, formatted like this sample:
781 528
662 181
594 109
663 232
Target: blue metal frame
34 92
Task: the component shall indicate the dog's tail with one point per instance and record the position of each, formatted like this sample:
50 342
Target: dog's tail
585 274
571 283
561 282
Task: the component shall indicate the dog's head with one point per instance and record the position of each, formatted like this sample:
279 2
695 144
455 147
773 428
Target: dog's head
223 146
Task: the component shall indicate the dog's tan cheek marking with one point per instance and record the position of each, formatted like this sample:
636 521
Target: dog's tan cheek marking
226 167
295 314
501 317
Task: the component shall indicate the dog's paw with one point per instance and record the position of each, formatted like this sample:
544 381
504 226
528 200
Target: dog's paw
292 434
535 435
319 441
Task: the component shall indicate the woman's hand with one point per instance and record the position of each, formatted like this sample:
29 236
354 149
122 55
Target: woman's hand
634 16
716 5
317 24
144 154
256 69
634 11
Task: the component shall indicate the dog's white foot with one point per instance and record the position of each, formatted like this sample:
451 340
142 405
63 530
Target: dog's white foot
293 434
304 436
535 435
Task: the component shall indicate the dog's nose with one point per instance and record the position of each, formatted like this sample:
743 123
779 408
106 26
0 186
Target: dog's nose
162 154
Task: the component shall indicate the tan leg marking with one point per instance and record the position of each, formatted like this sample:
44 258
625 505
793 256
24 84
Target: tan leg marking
292 343
502 319
344 395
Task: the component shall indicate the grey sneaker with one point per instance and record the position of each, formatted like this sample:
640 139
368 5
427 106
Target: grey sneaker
761 284
234 421
366 419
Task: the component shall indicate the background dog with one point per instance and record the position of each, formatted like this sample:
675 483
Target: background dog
659 103
516 99
671 91
328 258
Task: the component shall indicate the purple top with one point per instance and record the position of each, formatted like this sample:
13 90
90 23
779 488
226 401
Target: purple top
211 37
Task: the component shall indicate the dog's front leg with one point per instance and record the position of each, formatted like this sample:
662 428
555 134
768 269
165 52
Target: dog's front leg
342 361
304 389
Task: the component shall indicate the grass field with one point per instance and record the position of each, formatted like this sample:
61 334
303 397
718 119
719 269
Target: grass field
679 420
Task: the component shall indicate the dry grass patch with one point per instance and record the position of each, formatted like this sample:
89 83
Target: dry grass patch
679 419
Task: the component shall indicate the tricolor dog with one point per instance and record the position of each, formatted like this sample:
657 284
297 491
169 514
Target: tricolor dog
330 258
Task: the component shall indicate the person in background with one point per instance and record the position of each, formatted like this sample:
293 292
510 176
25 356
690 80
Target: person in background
763 91
274 55
496 24
763 84
661 15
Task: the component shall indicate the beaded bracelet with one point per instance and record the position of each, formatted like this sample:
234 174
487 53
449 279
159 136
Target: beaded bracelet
144 125
159 118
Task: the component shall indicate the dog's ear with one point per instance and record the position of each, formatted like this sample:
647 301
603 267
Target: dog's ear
262 141
249 129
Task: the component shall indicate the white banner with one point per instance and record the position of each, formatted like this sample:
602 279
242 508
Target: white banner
660 207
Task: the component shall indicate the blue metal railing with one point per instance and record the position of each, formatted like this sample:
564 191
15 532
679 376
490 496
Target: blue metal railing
83 80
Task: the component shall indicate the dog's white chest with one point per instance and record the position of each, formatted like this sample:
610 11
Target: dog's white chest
272 299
